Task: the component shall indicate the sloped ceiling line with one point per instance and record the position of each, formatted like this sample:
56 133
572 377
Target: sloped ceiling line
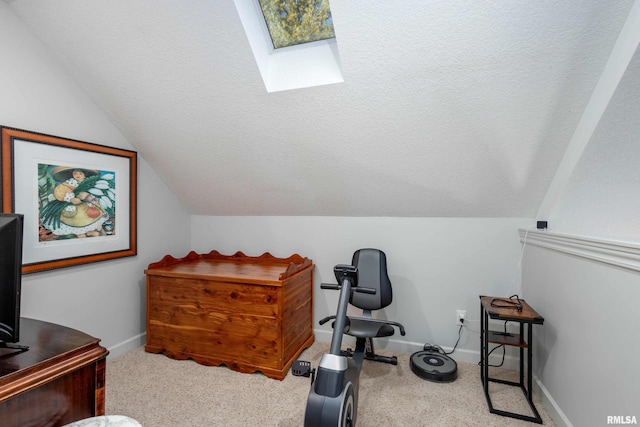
622 53
448 109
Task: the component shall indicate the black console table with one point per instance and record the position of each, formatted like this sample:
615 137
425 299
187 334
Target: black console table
512 310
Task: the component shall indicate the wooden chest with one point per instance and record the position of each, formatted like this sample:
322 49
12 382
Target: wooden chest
248 313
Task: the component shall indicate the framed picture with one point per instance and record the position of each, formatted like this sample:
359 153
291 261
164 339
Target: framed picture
78 198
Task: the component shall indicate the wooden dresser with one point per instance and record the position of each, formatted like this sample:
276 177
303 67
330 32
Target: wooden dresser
58 380
248 313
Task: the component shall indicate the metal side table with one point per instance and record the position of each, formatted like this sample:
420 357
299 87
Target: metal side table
512 310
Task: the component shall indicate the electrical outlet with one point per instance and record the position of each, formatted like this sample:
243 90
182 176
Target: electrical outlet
461 317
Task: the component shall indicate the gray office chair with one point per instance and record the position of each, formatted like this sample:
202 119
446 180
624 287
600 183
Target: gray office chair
372 273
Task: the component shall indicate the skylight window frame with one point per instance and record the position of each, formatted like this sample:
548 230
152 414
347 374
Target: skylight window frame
293 67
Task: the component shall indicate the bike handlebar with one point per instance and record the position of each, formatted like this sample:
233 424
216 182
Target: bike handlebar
336 287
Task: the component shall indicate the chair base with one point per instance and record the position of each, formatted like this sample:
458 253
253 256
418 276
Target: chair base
370 354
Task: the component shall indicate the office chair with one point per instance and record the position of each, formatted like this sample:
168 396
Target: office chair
372 273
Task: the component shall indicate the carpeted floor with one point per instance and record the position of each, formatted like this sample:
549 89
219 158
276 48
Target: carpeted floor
158 392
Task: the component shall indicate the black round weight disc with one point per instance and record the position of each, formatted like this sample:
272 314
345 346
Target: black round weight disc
434 366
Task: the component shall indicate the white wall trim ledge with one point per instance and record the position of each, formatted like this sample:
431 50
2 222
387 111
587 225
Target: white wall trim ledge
614 252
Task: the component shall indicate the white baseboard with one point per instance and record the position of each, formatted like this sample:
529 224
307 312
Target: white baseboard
460 355
468 356
127 345
550 404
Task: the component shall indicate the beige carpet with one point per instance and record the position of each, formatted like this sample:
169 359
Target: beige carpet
158 391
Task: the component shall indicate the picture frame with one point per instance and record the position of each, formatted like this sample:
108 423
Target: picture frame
79 199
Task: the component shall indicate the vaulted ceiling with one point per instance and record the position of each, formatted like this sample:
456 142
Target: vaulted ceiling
461 109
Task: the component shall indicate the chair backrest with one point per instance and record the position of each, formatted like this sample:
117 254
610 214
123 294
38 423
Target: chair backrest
372 273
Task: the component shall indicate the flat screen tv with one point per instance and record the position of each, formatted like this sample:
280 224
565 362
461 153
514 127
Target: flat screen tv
10 278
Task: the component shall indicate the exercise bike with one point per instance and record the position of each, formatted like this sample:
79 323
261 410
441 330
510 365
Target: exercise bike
333 398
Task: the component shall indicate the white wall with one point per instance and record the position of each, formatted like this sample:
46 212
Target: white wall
587 351
588 348
436 265
602 197
104 299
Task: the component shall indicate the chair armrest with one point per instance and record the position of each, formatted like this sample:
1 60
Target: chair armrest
399 326
326 319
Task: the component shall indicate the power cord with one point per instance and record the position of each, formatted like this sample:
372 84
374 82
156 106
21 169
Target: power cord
518 267
459 335
437 348
507 303
504 351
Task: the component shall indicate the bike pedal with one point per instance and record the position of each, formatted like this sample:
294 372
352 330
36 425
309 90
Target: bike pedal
347 353
301 368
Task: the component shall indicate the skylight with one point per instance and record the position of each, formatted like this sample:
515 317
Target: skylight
299 64
292 22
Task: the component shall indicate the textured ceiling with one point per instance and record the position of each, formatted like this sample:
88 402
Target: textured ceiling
458 109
